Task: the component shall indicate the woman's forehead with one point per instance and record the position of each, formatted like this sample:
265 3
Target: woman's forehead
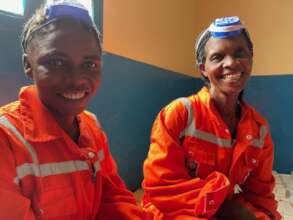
57 34
69 42
221 43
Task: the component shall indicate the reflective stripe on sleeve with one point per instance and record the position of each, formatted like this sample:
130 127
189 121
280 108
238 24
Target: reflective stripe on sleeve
6 123
97 164
190 130
48 169
262 135
190 127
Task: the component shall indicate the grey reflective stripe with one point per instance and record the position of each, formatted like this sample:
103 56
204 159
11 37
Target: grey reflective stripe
97 164
191 130
212 138
190 126
26 169
48 169
56 168
5 122
262 135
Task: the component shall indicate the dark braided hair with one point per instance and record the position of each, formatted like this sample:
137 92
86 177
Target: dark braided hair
39 24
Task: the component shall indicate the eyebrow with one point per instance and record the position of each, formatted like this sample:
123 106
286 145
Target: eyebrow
61 54
55 53
93 57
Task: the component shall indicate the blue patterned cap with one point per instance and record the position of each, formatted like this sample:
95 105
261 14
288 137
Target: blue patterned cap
62 8
56 9
225 27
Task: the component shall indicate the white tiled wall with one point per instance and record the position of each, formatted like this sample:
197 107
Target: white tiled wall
284 194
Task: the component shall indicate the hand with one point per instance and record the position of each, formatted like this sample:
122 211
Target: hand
234 210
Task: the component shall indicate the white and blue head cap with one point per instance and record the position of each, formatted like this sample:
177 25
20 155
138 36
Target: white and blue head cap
60 8
54 10
224 27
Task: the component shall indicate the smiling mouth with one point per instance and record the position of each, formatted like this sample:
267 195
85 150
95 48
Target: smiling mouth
74 95
233 76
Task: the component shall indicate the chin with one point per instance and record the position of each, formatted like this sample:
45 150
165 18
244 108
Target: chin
70 112
233 91
75 112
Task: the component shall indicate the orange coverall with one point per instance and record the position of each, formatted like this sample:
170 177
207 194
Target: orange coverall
193 165
44 174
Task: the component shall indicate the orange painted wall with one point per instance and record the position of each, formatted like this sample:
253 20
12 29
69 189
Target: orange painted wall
162 32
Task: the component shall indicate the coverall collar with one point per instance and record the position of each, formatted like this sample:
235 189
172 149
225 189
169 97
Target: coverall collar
205 97
39 124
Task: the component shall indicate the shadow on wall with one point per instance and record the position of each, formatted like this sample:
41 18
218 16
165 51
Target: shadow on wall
127 103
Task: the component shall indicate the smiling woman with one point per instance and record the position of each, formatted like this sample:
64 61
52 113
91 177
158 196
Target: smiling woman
54 154
211 154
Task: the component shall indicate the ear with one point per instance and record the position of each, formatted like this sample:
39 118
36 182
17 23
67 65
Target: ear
203 69
27 66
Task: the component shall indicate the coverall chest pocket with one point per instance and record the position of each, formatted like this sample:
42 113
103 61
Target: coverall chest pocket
58 204
200 159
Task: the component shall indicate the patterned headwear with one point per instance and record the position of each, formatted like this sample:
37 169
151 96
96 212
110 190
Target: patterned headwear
226 27
56 9
61 8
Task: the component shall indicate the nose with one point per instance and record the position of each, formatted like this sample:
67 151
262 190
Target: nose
75 77
230 62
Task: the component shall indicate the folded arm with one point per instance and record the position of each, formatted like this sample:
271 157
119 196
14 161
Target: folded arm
169 189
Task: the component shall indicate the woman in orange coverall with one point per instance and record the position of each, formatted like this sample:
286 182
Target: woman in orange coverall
211 154
54 157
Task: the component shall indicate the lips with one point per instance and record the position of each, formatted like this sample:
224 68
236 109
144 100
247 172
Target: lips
232 76
74 95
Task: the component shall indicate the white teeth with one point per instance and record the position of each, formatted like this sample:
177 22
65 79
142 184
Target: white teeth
75 95
233 75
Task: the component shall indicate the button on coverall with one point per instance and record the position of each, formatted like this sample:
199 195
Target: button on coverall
193 164
44 174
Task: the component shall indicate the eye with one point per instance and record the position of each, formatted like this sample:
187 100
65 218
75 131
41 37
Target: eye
216 57
56 62
91 65
241 53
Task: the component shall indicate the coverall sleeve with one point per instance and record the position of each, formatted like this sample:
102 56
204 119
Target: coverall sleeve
117 202
13 205
258 187
168 187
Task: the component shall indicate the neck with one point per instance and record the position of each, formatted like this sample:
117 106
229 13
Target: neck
228 108
225 104
70 125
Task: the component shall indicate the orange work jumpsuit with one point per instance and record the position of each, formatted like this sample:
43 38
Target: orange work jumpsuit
193 164
44 174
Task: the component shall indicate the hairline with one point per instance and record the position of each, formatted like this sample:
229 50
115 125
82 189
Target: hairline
44 29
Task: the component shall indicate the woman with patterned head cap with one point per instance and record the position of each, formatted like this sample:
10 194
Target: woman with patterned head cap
211 153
